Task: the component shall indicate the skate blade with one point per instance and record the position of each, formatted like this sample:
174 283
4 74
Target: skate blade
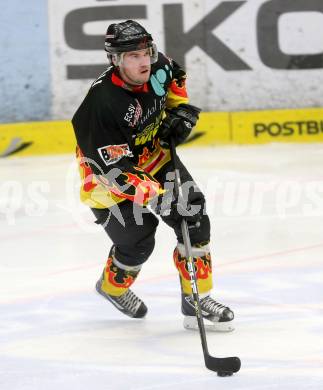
191 324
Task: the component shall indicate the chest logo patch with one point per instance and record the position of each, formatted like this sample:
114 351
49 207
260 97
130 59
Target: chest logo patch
113 153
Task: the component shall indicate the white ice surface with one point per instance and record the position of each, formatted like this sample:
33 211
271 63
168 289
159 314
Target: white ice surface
266 209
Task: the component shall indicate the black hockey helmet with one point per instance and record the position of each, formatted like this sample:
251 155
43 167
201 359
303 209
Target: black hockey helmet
127 36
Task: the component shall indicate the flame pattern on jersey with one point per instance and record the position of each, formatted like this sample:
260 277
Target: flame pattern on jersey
149 160
177 89
138 187
88 179
203 272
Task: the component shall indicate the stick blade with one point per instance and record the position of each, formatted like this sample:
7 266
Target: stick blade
223 366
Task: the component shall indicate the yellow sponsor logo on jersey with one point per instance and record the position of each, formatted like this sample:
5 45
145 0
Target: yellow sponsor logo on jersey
148 132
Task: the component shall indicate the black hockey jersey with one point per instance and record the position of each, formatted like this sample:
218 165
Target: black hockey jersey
116 128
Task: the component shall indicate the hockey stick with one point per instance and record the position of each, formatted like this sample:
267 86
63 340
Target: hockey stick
223 366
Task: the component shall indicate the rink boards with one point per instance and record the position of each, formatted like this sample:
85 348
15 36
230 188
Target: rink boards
214 128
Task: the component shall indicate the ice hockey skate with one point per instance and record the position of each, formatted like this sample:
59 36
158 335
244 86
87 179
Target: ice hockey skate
217 317
128 303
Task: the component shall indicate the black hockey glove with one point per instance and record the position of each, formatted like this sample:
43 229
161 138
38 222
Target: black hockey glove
175 210
188 210
179 123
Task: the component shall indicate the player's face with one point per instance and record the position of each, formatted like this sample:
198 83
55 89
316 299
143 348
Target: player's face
135 67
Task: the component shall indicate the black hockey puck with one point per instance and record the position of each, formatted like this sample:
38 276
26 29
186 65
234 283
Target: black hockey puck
225 373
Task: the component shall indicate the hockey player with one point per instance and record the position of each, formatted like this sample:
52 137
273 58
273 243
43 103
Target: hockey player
122 128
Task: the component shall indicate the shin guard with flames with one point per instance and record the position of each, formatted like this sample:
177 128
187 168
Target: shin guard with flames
118 277
203 268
